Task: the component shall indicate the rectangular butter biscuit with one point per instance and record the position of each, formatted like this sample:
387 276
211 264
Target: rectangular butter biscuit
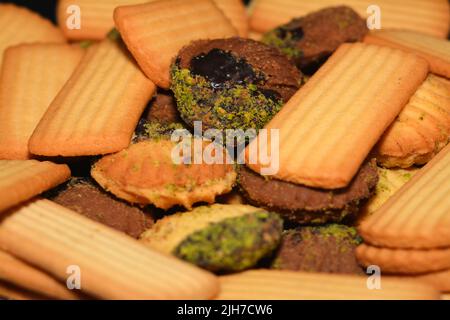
435 50
418 215
96 17
112 265
329 126
98 108
154 32
22 275
32 75
289 285
20 25
21 180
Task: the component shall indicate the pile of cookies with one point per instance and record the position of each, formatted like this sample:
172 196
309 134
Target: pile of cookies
121 175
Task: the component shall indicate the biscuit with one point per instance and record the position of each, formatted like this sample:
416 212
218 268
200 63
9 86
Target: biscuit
291 285
328 249
21 274
403 260
235 11
435 50
305 205
418 215
111 264
20 25
309 40
255 35
141 175
389 182
96 17
32 75
89 200
339 115
163 109
12 292
22 180
155 47
421 129
439 280
431 16
98 109
232 83
219 238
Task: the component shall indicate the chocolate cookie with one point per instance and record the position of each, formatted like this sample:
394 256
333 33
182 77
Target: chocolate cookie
163 109
329 249
220 238
311 39
232 83
88 200
160 119
303 204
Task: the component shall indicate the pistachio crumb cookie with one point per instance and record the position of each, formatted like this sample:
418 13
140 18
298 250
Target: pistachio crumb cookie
220 238
232 83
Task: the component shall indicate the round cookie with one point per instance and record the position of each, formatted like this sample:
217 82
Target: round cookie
164 173
232 83
311 39
220 238
87 199
306 205
328 249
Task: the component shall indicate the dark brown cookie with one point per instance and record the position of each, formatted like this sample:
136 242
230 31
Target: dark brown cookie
329 249
90 201
270 70
232 83
163 109
311 39
302 204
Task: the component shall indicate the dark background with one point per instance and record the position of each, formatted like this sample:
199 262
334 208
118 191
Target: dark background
46 7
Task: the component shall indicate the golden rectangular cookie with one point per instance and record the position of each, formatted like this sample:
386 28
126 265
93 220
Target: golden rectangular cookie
98 109
21 180
404 261
435 50
237 13
111 265
155 32
421 129
328 127
22 275
32 75
440 280
12 292
96 17
289 285
429 16
418 215
20 25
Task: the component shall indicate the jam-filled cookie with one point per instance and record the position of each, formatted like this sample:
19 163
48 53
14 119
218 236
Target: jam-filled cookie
232 83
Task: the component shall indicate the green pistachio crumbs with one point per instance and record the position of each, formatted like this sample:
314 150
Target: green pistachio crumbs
239 107
288 45
157 130
233 244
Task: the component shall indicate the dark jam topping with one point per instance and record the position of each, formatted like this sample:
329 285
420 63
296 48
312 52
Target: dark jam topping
222 68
